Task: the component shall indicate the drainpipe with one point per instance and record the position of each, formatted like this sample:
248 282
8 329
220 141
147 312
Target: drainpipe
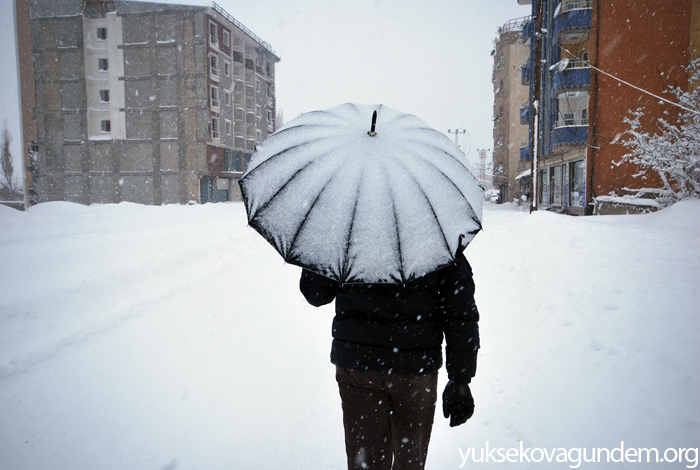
593 123
536 102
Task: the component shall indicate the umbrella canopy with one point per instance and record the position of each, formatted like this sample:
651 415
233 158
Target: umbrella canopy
371 207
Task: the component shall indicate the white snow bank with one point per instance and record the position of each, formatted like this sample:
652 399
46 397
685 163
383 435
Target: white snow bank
632 201
144 337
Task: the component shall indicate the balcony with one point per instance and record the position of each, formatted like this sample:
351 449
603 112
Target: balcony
525 114
572 19
570 136
577 5
525 74
525 153
572 77
528 29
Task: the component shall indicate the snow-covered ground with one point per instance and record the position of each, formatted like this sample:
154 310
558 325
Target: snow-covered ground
137 337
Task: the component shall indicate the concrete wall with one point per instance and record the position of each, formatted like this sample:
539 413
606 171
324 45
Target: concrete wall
159 108
510 95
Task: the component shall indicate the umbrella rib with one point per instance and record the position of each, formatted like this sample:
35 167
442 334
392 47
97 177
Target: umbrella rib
432 209
289 149
396 227
267 203
447 177
289 180
306 216
346 264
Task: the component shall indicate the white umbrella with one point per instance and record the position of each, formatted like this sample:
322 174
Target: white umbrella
357 206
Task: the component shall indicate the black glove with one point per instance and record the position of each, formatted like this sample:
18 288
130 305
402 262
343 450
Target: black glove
457 403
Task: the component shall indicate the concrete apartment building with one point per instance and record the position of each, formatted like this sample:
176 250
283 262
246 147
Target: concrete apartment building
141 102
511 158
645 43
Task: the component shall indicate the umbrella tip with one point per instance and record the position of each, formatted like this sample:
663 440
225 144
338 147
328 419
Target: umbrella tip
374 124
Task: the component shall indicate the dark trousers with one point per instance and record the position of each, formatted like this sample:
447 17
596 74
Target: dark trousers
387 417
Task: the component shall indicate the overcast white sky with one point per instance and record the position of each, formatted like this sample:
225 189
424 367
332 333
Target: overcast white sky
430 58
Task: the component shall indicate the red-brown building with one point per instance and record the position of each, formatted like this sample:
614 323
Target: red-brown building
645 43
601 60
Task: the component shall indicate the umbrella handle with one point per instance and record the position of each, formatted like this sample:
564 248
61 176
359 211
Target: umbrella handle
374 124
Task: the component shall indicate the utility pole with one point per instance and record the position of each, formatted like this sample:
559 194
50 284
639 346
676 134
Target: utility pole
482 165
456 132
536 102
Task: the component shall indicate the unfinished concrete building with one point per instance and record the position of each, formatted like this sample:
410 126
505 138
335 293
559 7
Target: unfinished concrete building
511 159
141 102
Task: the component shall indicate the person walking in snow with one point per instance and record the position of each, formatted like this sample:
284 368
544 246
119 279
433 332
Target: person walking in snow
387 349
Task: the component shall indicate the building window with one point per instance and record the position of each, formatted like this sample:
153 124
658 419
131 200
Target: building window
213 36
104 96
227 97
102 34
573 109
584 59
257 86
227 39
259 135
106 126
235 160
102 65
214 97
227 68
555 185
215 128
214 65
577 183
543 188
569 119
228 127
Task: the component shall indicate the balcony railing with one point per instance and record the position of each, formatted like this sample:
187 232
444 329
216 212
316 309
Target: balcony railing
514 25
525 152
578 5
525 74
572 77
578 64
525 113
570 135
564 122
528 29
572 19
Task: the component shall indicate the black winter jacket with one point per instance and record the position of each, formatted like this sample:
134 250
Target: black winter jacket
401 327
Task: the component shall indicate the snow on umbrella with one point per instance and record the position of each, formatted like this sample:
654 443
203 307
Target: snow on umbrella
384 206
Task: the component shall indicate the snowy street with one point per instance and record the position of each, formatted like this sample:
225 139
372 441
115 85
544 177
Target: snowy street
174 337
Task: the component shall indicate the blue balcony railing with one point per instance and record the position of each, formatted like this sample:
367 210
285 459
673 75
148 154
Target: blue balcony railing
572 78
525 153
525 74
572 19
525 114
528 29
570 135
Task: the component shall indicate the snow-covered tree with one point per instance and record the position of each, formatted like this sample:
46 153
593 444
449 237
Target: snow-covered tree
9 189
279 118
674 152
